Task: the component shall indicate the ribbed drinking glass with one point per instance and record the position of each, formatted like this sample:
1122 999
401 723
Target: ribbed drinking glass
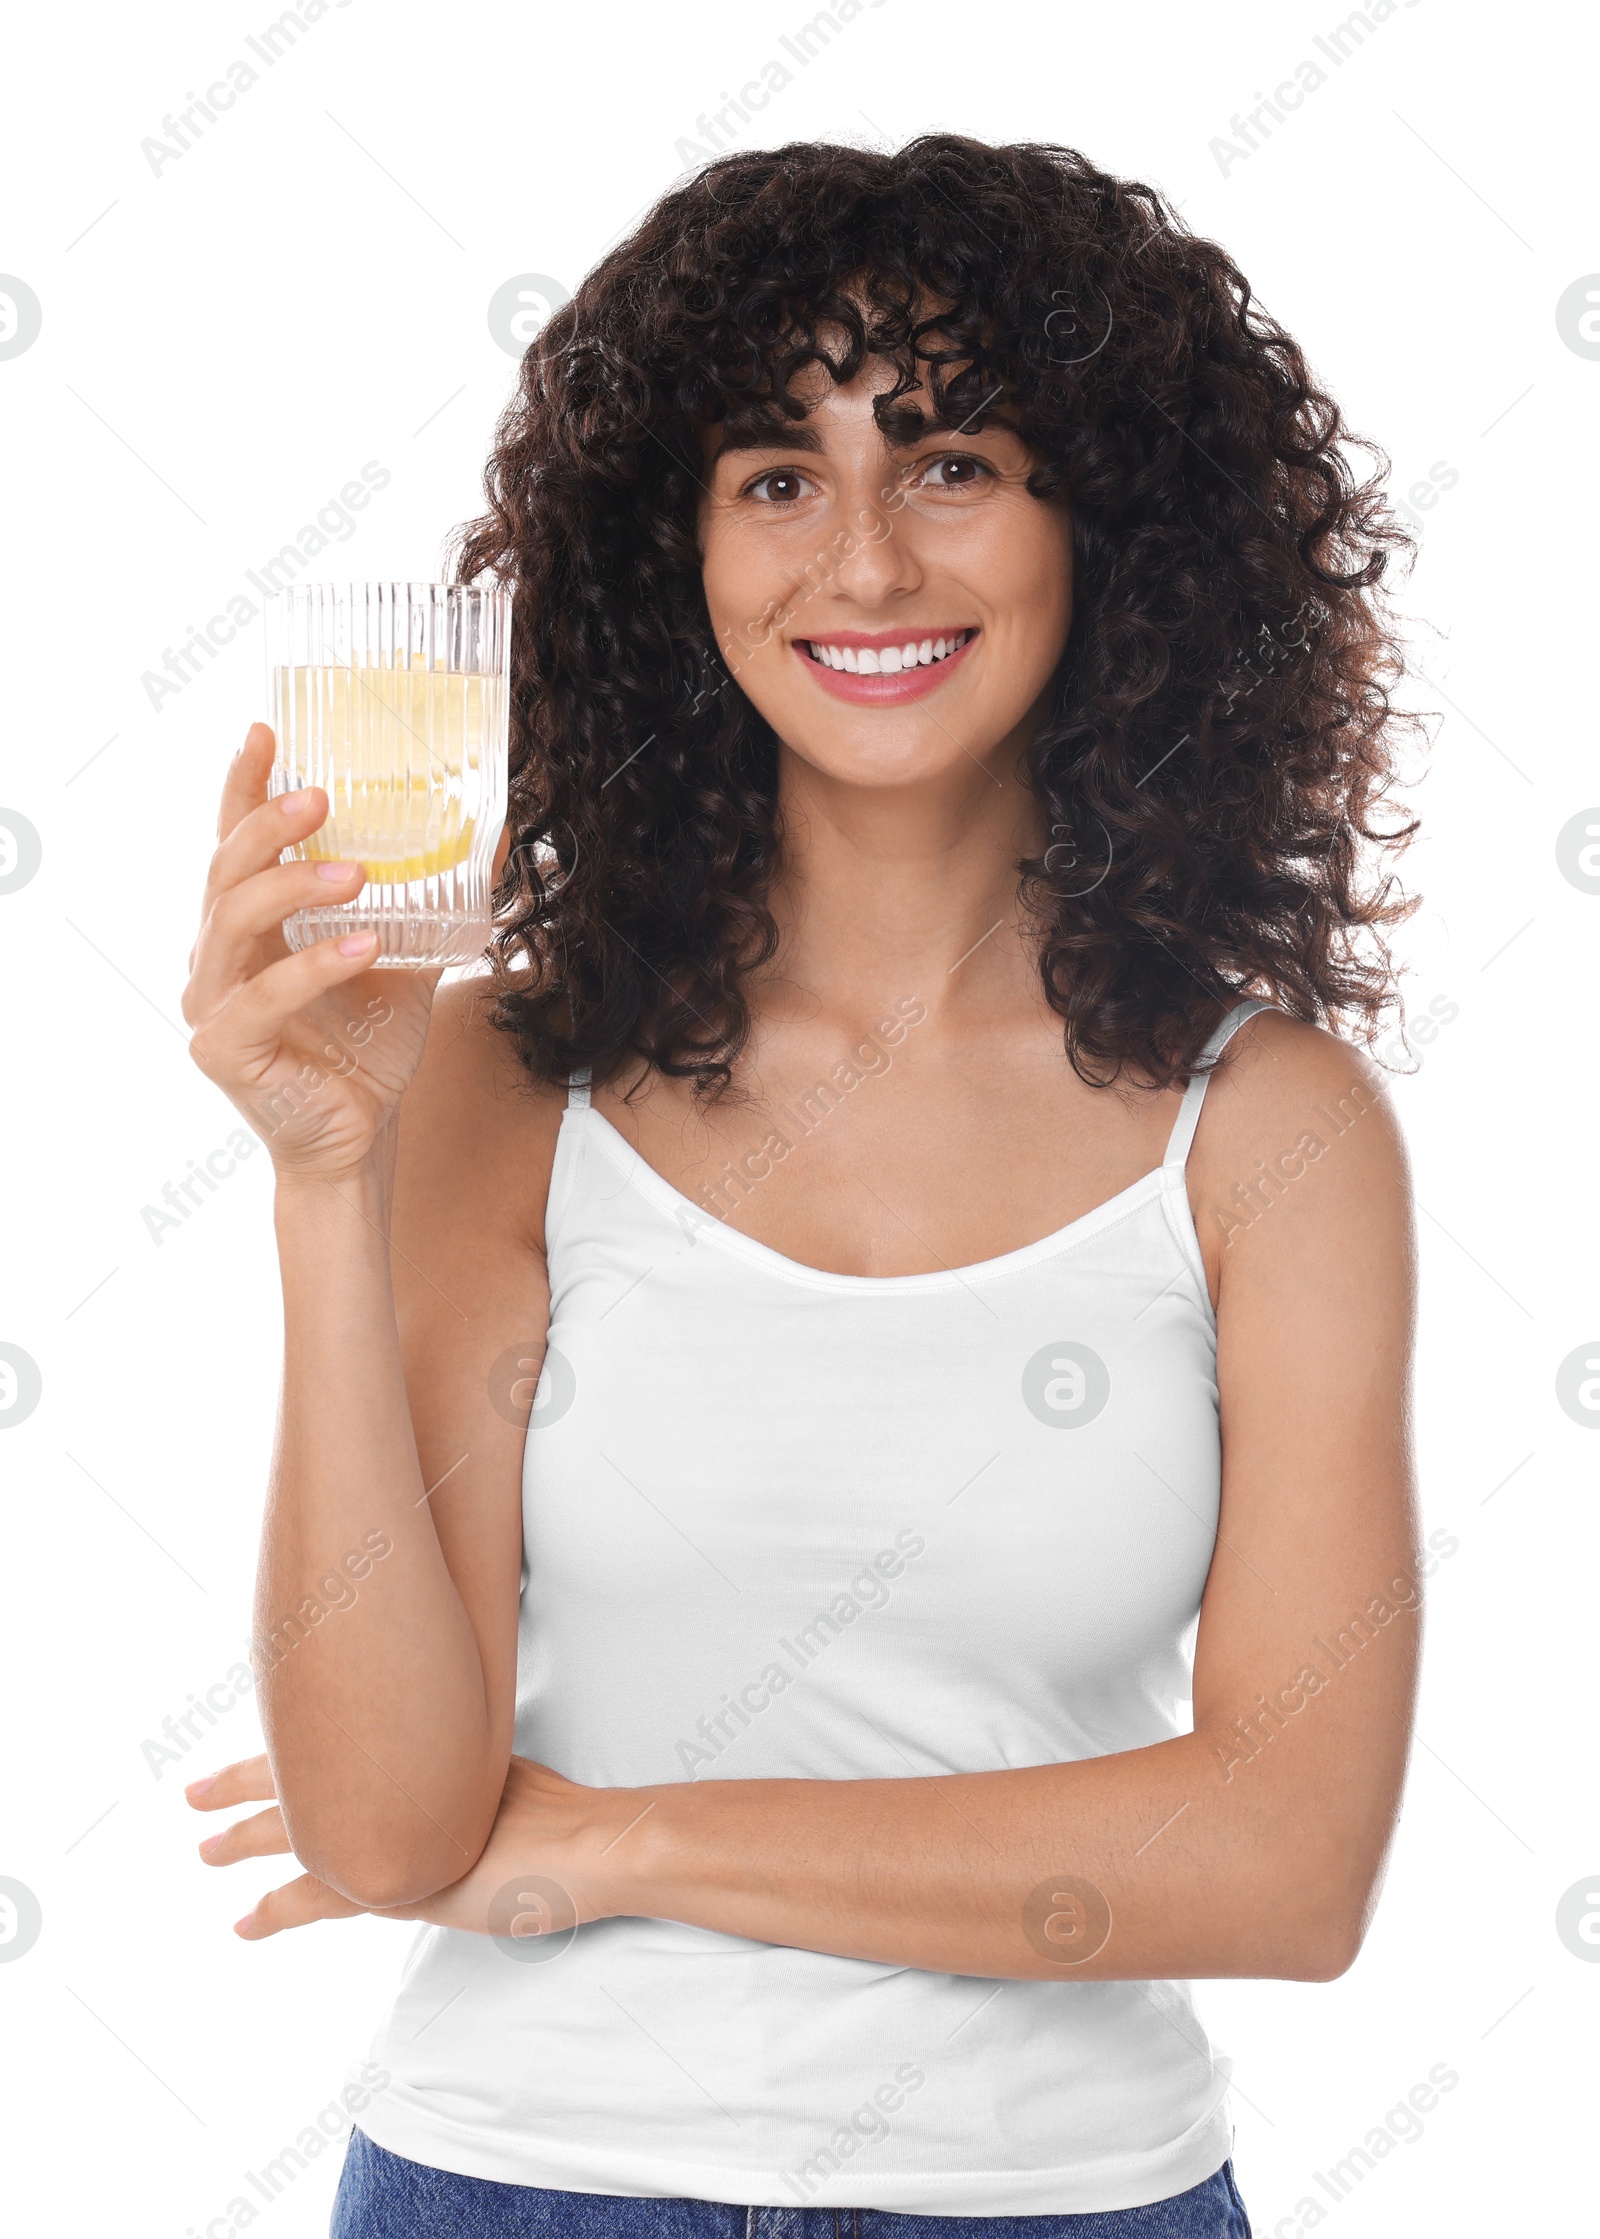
395 699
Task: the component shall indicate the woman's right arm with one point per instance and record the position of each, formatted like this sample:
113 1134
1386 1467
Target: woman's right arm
415 1311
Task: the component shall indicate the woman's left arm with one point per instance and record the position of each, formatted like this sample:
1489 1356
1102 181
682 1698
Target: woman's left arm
1253 1846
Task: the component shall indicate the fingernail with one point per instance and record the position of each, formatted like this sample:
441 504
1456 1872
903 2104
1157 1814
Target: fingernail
210 1846
335 870
292 803
354 943
240 1925
199 1787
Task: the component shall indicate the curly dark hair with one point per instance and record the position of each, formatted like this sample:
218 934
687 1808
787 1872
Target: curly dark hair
1221 732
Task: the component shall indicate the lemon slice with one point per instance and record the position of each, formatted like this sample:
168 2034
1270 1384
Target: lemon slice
398 752
383 865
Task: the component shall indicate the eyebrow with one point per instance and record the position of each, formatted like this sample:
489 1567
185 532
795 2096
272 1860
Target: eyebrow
800 435
771 435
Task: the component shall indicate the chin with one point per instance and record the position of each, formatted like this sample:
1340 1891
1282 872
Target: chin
882 762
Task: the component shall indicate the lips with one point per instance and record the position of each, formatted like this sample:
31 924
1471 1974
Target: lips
883 669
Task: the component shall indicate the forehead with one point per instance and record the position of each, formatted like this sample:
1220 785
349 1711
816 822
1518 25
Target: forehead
832 407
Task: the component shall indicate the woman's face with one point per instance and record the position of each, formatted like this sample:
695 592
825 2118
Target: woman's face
837 566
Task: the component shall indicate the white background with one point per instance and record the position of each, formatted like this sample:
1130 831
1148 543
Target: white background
306 290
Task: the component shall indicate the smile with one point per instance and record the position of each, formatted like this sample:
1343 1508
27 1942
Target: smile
885 669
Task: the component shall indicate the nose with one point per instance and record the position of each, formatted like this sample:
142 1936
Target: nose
878 559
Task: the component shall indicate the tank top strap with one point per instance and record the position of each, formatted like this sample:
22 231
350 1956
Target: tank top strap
1195 1094
578 1089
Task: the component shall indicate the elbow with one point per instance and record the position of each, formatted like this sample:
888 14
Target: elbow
1325 1936
372 1855
1314 1884
385 1884
1326 1951
386 1877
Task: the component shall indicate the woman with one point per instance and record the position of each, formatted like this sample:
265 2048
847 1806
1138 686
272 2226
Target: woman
951 711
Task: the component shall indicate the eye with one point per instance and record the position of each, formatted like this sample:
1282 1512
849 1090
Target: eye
955 470
780 485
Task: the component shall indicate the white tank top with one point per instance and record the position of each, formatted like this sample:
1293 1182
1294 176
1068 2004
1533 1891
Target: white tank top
786 1523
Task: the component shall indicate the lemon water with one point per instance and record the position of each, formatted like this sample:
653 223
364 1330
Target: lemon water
398 750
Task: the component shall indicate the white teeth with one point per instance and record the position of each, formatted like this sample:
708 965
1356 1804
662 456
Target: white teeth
886 660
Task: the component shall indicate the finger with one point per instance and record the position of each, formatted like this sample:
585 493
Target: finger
248 1780
261 1836
236 1045
258 839
250 771
295 1905
229 945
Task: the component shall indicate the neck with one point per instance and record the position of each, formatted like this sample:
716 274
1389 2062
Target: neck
888 891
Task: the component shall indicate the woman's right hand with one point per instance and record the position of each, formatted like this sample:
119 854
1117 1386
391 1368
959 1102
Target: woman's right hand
314 1047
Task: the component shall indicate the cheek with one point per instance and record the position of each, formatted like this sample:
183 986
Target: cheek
744 582
1032 579
1035 612
747 585
762 666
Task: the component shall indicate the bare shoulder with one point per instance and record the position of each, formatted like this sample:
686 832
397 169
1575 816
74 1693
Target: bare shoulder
1298 1147
478 1133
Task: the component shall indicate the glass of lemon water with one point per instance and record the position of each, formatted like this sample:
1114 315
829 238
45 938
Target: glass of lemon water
395 699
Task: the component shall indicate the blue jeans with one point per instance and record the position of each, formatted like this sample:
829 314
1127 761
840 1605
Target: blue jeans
382 2196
